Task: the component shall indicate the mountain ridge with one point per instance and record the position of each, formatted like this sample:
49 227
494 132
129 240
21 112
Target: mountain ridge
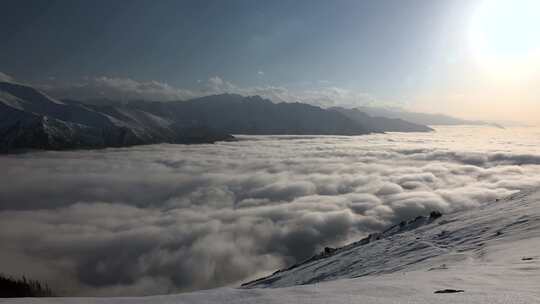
428 119
33 120
380 123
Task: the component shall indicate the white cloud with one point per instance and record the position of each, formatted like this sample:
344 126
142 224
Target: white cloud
322 95
5 77
120 89
166 218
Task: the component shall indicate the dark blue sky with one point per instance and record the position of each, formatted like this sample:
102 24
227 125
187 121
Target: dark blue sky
390 49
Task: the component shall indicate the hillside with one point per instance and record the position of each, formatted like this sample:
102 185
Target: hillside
427 243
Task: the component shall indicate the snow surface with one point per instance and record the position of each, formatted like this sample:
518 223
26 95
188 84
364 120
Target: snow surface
492 253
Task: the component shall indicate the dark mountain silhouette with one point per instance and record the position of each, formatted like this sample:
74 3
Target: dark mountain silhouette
254 115
422 118
29 119
381 124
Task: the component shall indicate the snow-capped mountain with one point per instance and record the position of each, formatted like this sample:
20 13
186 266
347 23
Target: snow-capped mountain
32 120
490 254
29 119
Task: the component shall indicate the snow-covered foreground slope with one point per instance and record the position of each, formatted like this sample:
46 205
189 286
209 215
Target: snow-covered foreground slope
464 238
492 253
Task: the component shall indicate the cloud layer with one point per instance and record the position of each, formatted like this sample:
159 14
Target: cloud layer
167 218
118 89
123 89
322 94
5 77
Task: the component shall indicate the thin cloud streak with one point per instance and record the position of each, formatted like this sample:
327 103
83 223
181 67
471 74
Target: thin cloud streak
124 89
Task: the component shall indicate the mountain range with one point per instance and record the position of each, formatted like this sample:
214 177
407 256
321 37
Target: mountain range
30 119
422 118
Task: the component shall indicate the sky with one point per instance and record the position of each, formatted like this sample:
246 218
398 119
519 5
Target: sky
476 59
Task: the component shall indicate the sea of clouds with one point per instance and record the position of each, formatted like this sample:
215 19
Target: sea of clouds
168 218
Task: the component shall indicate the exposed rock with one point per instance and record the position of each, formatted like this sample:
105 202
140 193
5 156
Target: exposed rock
449 291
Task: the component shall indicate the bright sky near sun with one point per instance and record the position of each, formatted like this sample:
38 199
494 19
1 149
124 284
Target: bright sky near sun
472 58
498 76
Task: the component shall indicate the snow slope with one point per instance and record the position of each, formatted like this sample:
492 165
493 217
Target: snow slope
492 253
462 237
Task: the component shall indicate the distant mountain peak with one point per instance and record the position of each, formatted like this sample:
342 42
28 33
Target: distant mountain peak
421 118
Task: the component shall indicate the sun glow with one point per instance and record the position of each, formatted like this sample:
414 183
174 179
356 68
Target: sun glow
506 33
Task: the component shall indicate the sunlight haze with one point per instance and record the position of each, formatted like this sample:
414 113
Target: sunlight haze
475 59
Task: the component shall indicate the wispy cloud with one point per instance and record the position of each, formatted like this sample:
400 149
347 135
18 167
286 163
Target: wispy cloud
323 94
5 77
117 89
